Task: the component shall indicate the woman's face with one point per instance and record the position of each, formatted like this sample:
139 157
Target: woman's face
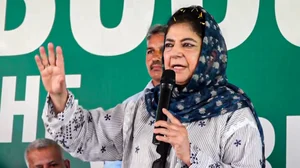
182 51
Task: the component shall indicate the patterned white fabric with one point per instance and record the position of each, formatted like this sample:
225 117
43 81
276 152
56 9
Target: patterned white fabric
118 164
125 133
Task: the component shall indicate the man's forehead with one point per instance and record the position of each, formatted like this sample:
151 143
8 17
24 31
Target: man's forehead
155 41
48 149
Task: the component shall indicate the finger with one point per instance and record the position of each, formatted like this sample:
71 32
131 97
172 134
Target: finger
59 58
166 125
164 139
173 119
51 54
166 132
173 140
39 63
44 56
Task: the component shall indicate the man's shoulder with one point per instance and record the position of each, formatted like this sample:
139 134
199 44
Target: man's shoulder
138 95
134 97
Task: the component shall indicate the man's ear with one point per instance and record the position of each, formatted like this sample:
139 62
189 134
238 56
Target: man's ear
67 163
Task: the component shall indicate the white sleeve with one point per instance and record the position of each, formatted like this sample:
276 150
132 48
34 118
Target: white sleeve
90 135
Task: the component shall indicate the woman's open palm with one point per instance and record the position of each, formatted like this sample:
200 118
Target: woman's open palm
52 69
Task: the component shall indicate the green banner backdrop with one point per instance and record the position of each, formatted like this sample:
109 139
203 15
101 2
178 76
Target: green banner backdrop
104 48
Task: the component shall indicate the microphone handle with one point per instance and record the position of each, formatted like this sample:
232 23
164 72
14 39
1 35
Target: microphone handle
163 102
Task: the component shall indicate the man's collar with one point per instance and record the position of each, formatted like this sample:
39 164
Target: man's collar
149 85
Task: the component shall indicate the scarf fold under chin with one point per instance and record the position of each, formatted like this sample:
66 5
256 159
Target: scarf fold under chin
193 106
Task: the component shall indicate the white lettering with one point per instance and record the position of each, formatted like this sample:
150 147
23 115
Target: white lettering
177 4
33 31
292 141
28 108
269 135
287 15
239 20
92 36
97 164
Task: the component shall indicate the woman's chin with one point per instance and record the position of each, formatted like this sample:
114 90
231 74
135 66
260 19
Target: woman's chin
181 82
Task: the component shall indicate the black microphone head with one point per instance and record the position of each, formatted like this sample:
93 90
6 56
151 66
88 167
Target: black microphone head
168 76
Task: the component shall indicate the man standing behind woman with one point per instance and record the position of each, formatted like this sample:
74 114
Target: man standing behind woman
155 43
212 123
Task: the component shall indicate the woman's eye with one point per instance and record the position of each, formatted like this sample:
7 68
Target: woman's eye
168 45
188 45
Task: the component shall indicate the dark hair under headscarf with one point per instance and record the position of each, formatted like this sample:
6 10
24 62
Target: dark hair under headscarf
208 93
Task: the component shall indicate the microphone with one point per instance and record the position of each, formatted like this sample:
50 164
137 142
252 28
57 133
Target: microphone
167 83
